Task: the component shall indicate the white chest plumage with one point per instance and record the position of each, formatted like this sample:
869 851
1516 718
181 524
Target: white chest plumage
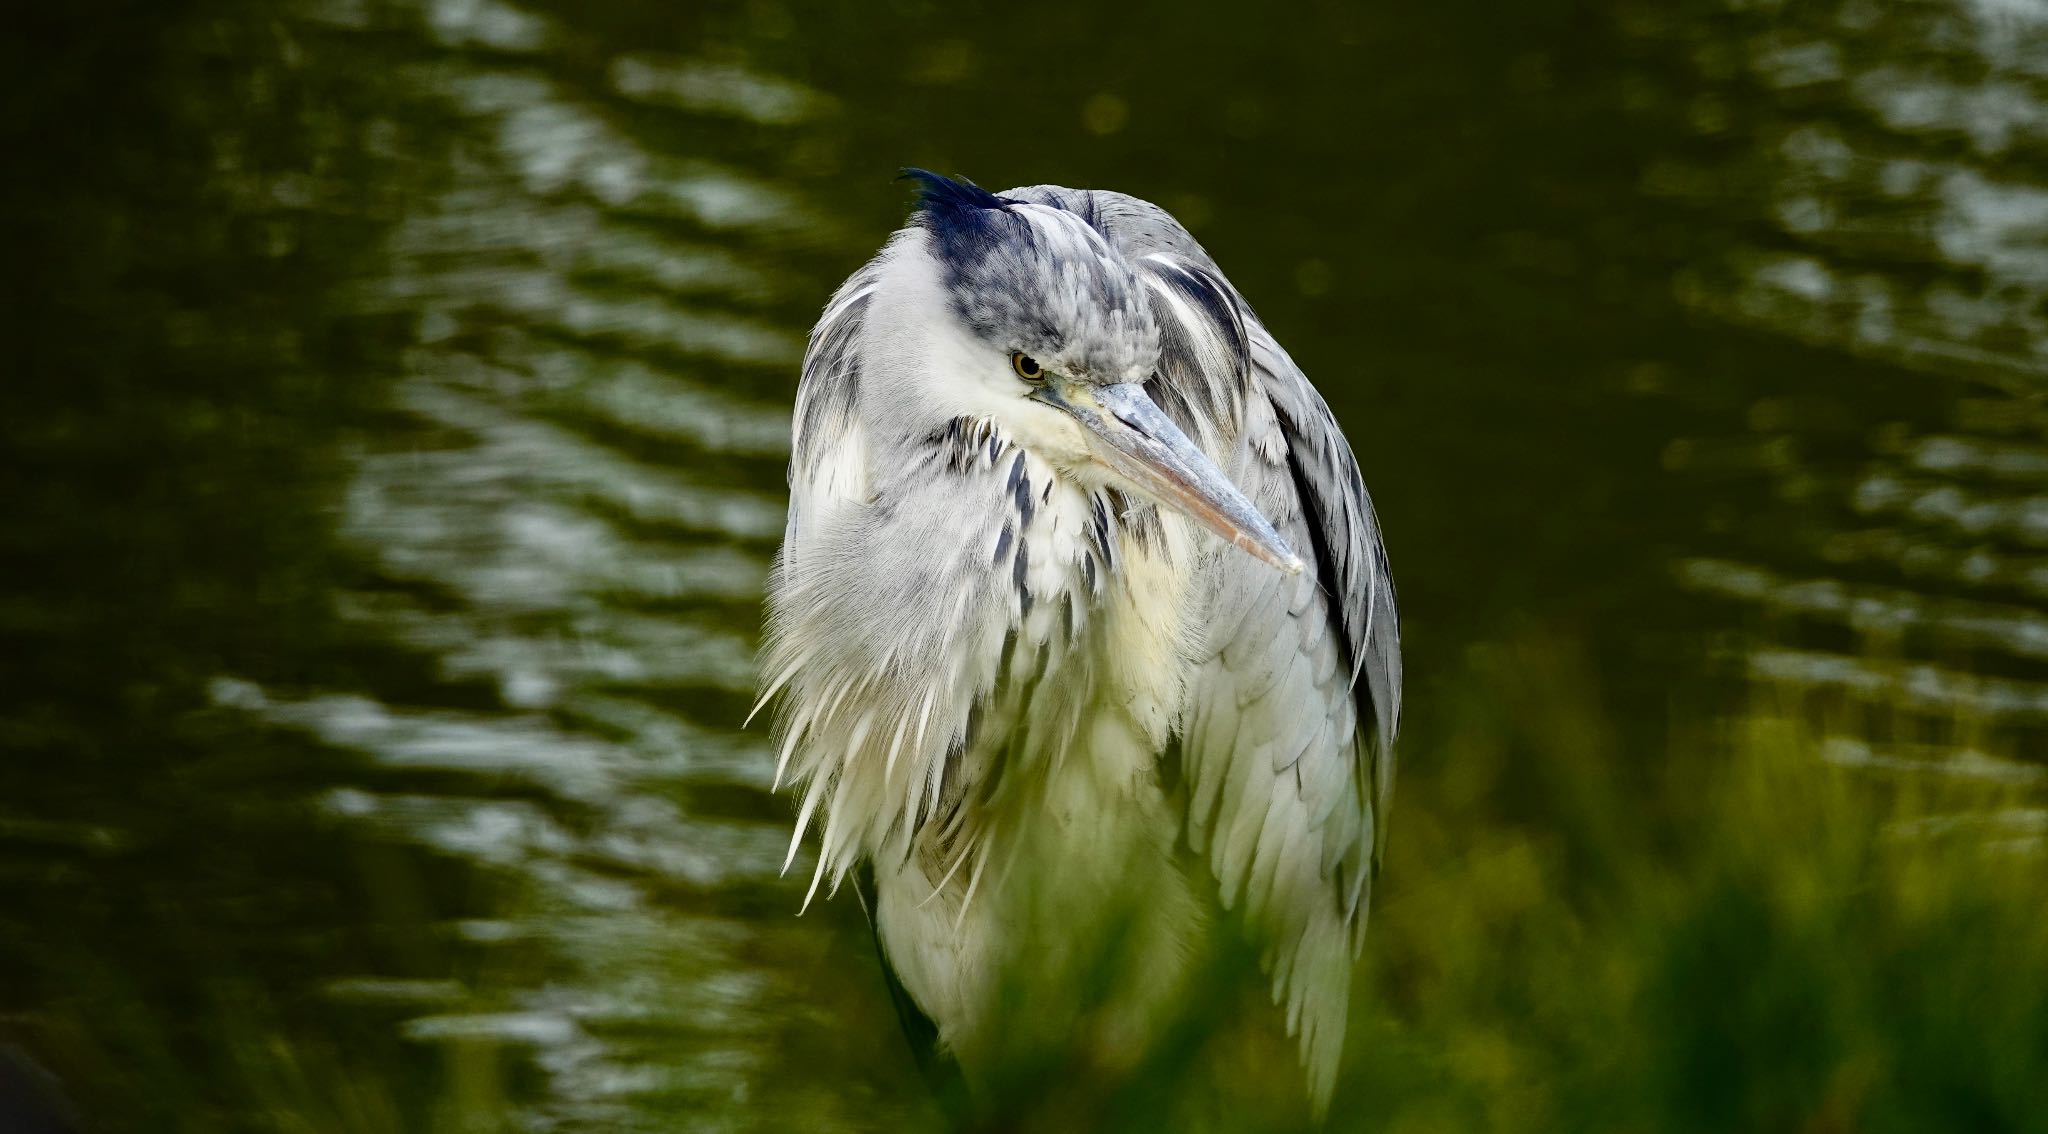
1059 856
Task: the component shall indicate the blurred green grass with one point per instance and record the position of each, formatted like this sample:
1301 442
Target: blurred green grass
1734 934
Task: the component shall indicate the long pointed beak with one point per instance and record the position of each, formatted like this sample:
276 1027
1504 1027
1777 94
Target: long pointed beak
1147 448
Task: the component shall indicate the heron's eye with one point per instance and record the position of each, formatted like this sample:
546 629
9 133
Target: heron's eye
1027 367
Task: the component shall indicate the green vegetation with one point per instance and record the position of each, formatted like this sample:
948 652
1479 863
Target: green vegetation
1735 936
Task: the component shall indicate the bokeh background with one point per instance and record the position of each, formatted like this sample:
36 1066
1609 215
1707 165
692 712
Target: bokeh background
392 421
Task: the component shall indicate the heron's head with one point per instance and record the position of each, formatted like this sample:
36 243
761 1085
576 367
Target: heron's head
1056 338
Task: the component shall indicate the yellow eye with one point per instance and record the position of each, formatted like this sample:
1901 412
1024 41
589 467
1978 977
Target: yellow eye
1027 367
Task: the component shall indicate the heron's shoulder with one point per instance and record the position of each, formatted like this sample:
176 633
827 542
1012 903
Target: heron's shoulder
1134 226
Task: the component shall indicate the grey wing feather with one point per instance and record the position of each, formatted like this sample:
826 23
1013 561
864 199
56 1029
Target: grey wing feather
830 383
827 461
1288 743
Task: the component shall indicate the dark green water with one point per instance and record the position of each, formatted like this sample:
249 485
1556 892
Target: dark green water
395 405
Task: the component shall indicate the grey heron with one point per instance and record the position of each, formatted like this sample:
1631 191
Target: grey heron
1024 683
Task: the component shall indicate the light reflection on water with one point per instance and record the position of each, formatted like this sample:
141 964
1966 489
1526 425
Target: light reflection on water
1905 227
560 505
571 513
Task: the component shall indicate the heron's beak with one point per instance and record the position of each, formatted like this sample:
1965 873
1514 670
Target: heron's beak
1140 442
